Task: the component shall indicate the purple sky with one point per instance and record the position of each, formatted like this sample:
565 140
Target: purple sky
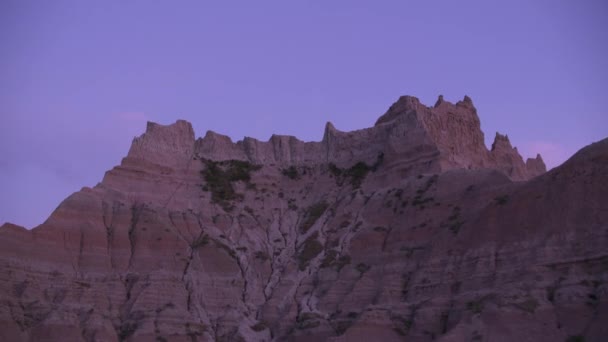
79 81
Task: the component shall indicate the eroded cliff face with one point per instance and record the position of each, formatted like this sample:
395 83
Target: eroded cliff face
411 229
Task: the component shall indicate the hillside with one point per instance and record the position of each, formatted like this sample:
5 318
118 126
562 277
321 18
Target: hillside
408 230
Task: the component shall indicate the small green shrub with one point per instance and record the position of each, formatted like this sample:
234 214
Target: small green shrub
291 173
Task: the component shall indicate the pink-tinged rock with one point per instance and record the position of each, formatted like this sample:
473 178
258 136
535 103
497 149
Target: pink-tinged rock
408 230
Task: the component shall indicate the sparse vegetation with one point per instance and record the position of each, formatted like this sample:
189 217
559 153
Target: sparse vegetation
219 176
291 204
200 241
291 173
312 214
355 174
225 247
419 199
309 250
454 222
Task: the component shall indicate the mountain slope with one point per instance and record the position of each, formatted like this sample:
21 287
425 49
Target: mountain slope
410 229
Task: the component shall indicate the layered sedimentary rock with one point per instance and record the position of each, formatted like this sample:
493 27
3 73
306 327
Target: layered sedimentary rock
411 229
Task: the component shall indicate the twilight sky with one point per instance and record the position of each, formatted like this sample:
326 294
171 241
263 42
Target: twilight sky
78 81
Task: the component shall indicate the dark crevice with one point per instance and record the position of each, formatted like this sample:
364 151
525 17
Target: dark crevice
135 214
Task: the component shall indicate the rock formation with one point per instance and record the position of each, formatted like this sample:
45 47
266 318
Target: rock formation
411 229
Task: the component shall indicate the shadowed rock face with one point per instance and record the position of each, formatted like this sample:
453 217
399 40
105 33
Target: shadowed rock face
411 229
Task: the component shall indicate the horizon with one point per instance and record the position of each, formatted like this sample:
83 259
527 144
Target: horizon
81 81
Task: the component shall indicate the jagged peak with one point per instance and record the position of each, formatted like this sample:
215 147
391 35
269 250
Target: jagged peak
403 105
406 104
536 166
439 101
501 141
467 102
330 126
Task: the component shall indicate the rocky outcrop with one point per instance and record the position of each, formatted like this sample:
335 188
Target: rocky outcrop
412 136
410 229
455 130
